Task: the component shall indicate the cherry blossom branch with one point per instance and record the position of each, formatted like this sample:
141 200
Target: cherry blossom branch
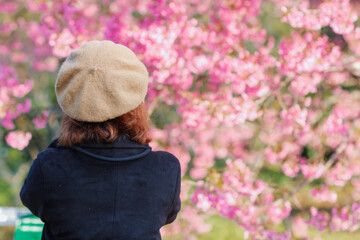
307 181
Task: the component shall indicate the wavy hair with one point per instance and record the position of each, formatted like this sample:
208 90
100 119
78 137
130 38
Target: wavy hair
134 123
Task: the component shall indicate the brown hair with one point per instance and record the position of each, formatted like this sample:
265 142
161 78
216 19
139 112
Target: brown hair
134 123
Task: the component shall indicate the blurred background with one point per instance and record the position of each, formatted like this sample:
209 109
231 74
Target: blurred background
259 100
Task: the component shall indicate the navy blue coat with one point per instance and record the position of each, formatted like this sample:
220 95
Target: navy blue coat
103 191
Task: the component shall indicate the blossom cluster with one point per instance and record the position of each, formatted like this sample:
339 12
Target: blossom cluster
11 89
240 99
339 14
345 218
234 194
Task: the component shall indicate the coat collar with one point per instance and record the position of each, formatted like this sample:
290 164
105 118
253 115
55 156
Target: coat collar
123 141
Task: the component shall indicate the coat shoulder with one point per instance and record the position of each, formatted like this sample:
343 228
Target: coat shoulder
43 155
51 152
166 158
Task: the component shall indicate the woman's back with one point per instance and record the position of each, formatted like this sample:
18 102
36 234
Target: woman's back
85 195
100 180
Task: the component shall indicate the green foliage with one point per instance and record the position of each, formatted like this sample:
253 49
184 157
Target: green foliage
163 115
6 196
222 229
15 158
274 177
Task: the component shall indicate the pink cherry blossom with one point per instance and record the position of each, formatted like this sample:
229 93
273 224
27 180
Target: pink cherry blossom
18 139
21 90
41 120
8 7
319 219
277 212
328 13
340 174
312 171
323 194
24 107
289 169
229 95
299 227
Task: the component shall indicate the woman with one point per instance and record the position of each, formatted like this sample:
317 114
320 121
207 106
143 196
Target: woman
100 179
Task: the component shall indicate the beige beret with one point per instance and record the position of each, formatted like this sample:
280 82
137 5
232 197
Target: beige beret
100 81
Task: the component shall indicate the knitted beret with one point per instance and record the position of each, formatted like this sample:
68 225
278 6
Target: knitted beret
100 81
